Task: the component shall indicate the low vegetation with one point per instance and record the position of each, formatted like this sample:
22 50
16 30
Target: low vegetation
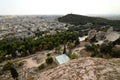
42 66
74 56
20 63
31 78
104 50
49 60
9 66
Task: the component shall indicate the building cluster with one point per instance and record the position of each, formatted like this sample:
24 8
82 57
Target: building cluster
26 26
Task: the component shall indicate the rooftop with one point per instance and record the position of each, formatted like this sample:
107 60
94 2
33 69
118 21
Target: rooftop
62 58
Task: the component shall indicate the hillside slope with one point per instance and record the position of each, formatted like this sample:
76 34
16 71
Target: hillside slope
80 19
85 69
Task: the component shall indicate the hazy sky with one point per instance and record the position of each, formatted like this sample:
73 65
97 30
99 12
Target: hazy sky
17 7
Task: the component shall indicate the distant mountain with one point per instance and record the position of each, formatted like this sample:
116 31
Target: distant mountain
80 19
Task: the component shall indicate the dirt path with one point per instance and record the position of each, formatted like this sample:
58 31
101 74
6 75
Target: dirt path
29 63
38 58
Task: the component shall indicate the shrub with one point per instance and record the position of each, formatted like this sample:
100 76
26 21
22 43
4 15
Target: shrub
86 39
49 60
1 72
107 56
74 56
96 54
115 54
48 54
93 54
19 64
77 42
105 48
7 66
89 47
1 58
42 66
32 78
93 39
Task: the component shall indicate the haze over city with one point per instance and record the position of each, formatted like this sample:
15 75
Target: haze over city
58 7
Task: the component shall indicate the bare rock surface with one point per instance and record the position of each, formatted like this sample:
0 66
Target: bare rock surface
113 36
110 30
100 35
84 69
91 33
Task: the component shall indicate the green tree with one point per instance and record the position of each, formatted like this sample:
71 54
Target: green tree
70 46
57 49
77 42
2 55
14 73
64 50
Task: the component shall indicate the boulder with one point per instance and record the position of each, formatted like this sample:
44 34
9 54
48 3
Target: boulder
91 34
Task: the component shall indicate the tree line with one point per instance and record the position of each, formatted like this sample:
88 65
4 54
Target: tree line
15 48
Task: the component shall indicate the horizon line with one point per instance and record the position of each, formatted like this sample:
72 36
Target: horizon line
54 14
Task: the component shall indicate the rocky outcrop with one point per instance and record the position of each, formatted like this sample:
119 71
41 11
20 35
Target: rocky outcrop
84 69
100 35
109 35
91 34
110 30
112 36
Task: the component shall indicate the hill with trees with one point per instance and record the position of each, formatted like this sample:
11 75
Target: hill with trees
81 20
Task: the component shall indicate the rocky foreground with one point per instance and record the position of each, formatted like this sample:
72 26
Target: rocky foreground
84 69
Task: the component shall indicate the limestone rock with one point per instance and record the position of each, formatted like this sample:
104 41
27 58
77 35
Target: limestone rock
85 69
91 34
110 30
100 35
